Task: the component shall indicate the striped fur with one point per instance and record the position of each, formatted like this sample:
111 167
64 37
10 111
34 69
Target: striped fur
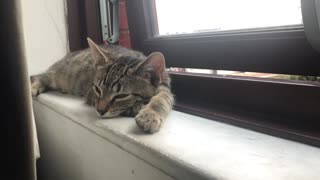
115 80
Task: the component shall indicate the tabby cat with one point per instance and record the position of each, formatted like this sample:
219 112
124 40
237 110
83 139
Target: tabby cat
116 80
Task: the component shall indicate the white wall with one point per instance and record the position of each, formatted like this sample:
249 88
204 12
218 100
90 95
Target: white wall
45 32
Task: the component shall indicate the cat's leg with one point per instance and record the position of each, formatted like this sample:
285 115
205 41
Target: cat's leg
134 110
91 97
39 83
151 117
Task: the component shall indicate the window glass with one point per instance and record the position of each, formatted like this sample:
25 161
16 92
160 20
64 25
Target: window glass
225 73
190 16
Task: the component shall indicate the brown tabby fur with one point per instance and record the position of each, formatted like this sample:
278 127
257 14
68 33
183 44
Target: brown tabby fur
116 80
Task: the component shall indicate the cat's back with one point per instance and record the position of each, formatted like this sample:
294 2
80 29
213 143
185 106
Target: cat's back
81 58
75 72
117 51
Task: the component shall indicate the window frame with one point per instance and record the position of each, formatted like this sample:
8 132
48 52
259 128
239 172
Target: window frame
288 46
283 108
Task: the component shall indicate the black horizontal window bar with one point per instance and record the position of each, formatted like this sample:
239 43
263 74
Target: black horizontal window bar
289 110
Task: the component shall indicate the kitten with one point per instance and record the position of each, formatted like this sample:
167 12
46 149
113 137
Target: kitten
116 80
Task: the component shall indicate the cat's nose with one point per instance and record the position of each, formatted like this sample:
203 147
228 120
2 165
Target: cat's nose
101 112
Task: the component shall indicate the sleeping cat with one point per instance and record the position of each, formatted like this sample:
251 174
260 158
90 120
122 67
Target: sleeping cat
116 80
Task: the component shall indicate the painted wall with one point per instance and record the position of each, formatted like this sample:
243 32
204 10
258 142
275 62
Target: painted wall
44 23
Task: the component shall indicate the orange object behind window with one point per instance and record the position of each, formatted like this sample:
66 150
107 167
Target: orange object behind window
124 35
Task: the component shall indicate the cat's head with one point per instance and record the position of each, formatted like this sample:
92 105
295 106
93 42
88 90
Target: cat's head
122 82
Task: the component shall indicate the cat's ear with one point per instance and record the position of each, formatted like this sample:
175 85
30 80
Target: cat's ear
97 54
153 68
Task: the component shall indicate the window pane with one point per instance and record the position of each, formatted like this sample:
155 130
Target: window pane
190 16
314 79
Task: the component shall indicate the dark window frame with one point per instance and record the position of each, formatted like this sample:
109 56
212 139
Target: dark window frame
282 108
254 50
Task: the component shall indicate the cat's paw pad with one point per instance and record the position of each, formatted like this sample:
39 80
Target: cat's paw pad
149 120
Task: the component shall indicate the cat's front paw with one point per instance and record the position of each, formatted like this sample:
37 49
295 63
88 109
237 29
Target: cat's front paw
36 89
134 110
36 86
149 120
34 92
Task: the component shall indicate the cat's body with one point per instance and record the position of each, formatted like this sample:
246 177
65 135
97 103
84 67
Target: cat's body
116 80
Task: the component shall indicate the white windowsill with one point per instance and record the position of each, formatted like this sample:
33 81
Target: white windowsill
191 147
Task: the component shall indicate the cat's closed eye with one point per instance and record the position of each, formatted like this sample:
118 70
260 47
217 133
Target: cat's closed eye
119 97
97 90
